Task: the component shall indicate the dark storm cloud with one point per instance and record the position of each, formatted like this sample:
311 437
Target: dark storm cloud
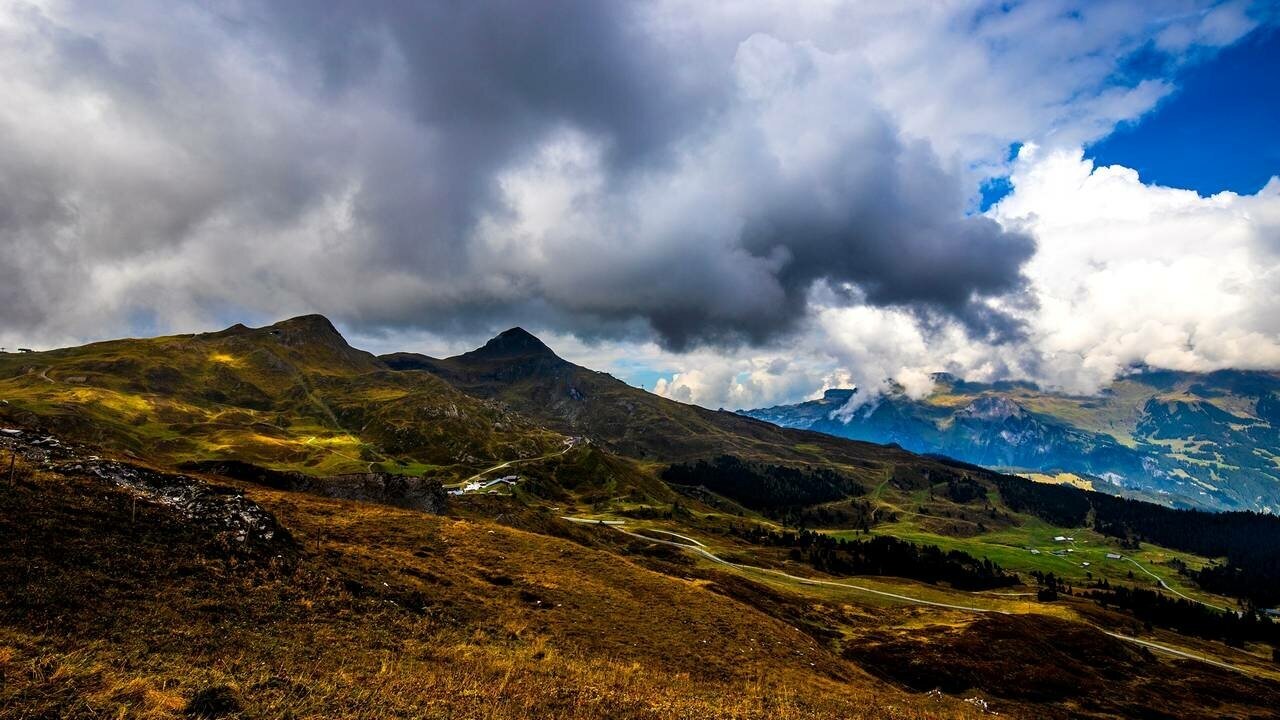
348 158
487 82
886 219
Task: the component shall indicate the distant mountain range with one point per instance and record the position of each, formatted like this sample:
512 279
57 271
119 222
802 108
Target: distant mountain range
1205 440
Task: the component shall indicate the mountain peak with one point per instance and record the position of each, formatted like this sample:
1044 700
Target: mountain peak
307 331
992 407
311 323
838 395
516 342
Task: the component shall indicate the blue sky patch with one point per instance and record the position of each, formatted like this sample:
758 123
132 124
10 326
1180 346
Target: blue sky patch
1219 131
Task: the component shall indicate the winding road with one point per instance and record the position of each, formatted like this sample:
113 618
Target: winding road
568 446
701 550
1165 585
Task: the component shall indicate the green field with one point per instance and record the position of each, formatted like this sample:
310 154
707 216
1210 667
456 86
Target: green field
1011 548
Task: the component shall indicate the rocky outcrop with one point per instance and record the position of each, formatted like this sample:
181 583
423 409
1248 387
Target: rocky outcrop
415 493
236 522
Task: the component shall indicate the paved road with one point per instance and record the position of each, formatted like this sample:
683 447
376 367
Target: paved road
1165 585
700 549
677 535
509 463
1177 652
591 521
797 578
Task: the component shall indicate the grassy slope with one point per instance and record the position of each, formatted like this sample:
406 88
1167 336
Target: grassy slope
290 396
1010 547
388 613
392 613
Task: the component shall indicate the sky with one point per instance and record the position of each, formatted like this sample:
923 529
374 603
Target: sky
732 204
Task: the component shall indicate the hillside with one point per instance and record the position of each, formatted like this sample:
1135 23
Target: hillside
119 602
523 373
519 371
816 480
117 606
1192 440
293 395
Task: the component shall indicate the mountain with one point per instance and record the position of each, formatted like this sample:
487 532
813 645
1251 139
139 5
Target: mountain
292 395
1209 440
521 372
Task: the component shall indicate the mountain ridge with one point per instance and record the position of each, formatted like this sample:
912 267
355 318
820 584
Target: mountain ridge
1187 439
293 395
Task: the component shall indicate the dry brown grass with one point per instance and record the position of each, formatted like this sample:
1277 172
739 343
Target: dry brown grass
389 613
464 680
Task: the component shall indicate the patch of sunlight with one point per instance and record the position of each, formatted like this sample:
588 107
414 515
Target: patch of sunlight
118 402
1063 478
226 359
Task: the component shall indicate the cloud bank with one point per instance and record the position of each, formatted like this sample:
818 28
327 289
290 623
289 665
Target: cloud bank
716 188
1125 274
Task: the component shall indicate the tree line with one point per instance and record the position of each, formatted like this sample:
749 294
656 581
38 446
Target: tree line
882 555
1249 541
772 489
1155 608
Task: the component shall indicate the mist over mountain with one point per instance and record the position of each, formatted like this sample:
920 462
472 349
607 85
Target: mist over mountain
1207 440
